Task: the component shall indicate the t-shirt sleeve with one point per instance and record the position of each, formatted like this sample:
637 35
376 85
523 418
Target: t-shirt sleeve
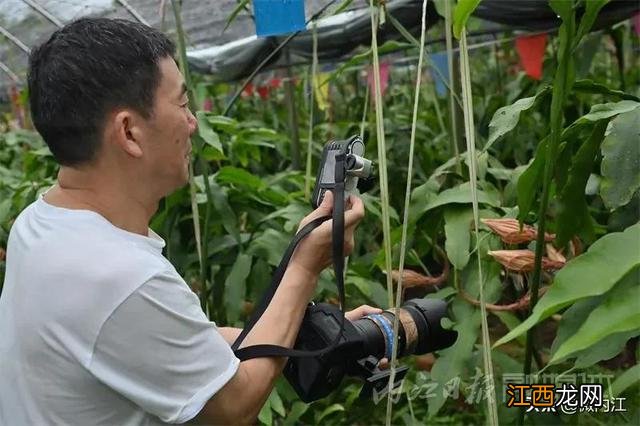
159 350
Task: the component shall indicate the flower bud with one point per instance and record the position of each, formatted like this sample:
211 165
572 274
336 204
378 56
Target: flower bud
510 233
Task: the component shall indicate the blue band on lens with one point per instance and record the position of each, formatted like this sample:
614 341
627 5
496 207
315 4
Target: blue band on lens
385 326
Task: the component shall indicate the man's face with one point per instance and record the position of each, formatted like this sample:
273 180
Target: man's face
167 141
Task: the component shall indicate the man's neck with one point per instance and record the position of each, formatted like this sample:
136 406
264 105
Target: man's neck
115 199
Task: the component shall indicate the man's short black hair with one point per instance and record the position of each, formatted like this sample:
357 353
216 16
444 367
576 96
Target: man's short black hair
86 69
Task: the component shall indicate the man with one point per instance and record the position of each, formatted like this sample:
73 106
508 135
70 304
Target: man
96 326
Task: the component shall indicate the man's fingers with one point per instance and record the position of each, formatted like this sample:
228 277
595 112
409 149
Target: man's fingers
355 213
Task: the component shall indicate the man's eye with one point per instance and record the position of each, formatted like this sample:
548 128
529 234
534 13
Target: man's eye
184 105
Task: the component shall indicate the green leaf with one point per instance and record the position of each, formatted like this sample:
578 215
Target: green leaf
573 214
606 262
276 403
227 215
461 14
266 415
297 410
452 363
506 118
238 176
606 348
590 86
626 380
206 132
530 180
269 245
460 194
607 110
617 313
621 160
588 18
457 223
327 411
235 286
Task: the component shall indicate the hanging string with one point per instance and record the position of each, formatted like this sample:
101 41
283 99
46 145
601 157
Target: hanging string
312 80
469 126
407 200
382 152
452 104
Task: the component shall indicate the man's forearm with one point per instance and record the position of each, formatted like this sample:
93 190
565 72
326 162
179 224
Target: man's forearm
230 334
279 325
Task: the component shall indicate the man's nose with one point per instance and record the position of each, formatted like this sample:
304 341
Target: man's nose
193 122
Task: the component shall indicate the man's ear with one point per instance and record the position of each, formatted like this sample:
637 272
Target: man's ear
128 133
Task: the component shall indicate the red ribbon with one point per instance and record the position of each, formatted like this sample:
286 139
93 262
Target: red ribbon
531 51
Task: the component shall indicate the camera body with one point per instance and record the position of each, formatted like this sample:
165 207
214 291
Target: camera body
356 167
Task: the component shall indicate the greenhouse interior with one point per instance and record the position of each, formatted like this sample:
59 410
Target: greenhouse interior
349 212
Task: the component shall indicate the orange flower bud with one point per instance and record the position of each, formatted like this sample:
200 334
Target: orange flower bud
555 255
416 279
523 260
3 254
510 233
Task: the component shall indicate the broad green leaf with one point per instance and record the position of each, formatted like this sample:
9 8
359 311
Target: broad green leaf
453 362
297 410
573 215
619 312
510 321
506 118
457 226
327 411
621 160
590 86
227 215
588 18
573 318
530 180
276 403
269 245
460 194
562 8
206 132
461 14
238 176
606 262
626 380
223 123
235 287
607 110
266 415
606 348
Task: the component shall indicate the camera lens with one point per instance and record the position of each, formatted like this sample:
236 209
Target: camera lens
419 329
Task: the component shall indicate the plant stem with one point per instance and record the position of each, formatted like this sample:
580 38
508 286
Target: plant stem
452 104
562 84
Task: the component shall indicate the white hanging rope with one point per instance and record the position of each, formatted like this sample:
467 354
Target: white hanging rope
407 200
465 78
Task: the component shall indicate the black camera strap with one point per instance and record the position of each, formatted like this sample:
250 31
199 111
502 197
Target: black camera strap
268 350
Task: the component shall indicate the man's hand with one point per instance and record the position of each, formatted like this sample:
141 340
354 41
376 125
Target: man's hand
314 252
362 311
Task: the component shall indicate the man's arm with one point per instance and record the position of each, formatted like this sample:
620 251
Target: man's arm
230 334
240 399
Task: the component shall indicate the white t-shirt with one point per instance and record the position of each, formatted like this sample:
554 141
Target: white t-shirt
97 327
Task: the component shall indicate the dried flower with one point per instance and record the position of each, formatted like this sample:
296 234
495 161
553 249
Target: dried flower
523 260
510 233
416 279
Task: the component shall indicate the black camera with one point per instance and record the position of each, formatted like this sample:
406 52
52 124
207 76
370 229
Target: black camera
362 344
356 167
